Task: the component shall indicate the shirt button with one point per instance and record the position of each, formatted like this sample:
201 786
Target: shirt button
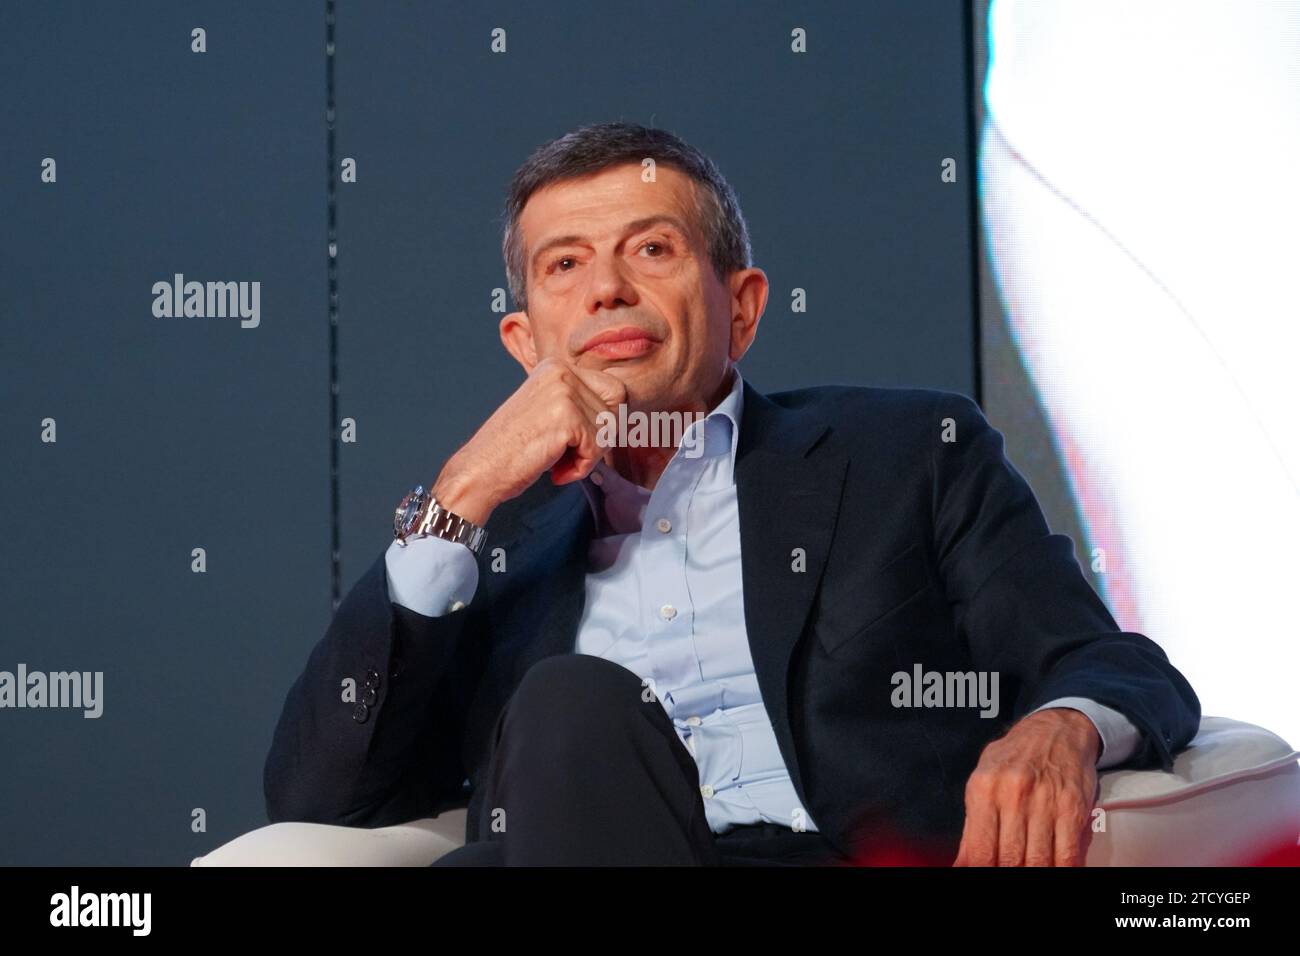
664 525
706 790
597 478
668 612
694 721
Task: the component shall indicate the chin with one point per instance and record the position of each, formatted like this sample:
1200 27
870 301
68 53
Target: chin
645 391
627 372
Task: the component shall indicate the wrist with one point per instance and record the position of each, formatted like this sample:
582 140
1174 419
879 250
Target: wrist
462 497
1080 722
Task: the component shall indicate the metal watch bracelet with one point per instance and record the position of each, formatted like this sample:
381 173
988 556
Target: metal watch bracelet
439 522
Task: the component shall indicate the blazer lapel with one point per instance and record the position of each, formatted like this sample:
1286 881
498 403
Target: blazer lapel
788 492
554 556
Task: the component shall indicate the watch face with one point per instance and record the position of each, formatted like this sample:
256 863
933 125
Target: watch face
408 510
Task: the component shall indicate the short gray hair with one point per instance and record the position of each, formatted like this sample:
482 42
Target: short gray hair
593 148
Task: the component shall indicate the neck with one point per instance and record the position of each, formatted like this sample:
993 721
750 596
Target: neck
641 466
644 466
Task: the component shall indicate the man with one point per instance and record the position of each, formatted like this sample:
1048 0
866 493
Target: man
824 626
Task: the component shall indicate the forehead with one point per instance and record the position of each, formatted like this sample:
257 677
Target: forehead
601 202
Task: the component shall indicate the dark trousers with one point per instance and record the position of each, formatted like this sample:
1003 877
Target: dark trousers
585 771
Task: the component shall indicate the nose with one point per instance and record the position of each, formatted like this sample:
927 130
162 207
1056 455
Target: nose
609 286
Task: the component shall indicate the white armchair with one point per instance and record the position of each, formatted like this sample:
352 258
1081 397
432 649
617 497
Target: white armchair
1233 793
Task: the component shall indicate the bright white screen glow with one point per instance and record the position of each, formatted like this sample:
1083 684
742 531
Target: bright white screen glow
1140 184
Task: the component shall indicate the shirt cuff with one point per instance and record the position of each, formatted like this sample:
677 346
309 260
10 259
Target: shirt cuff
431 575
1119 738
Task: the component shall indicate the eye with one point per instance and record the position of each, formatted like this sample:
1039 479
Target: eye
656 244
560 260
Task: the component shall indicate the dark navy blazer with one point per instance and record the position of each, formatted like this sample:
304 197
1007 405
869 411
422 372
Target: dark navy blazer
918 551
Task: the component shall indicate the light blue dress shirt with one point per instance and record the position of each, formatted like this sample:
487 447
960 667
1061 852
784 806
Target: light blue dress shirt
664 599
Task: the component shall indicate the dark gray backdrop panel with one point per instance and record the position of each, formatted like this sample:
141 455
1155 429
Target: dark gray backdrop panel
183 433
835 155
172 433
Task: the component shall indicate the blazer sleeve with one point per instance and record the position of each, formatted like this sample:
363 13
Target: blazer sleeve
1021 600
390 755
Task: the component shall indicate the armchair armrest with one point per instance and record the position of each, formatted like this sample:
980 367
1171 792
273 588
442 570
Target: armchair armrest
417 843
1233 795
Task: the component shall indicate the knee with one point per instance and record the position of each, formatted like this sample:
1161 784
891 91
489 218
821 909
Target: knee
579 690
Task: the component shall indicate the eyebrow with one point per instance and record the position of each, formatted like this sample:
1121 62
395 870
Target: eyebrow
636 225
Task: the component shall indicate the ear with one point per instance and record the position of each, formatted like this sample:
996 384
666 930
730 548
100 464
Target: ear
517 337
749 288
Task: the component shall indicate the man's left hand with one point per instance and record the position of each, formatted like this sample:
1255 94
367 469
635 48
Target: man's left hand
1029 801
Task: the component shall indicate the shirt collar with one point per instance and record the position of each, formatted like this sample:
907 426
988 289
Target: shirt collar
721 435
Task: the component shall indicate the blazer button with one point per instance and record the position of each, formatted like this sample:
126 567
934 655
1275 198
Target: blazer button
360 713
372 678
368 697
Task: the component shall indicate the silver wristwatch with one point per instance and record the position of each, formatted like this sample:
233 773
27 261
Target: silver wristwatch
420 514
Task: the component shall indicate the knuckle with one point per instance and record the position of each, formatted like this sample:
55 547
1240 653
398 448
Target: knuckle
1038 858
1017 779
1070 801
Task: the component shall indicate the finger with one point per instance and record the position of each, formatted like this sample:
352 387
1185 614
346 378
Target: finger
1013 824
609 389
1070 832
572 466
572 384
596 402
581 394
591 405
982 830
1041 831
961 858
583 451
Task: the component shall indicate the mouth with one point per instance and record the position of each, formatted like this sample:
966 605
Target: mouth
624 343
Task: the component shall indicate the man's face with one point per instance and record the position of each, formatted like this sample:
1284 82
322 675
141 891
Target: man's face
611 253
